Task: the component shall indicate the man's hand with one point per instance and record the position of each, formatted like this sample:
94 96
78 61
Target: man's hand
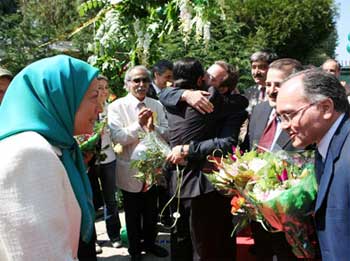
178 154
149 126
198 100
144 117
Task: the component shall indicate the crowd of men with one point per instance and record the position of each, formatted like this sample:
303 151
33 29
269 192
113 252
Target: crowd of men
201 112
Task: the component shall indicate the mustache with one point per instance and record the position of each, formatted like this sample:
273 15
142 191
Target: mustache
140 89
258 75
273 95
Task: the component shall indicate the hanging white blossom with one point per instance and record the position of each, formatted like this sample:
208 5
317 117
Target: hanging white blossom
185 16
206 32
114 2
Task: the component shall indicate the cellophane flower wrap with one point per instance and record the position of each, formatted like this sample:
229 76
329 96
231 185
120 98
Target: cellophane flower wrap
148 158
278 188
88 143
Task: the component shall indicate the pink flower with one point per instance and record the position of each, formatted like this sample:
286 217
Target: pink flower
283 176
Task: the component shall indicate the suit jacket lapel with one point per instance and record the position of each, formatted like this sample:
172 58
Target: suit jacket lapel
334 150
283 140
264 118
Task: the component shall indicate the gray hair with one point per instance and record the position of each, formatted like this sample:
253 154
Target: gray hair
319 85
262 56
127 77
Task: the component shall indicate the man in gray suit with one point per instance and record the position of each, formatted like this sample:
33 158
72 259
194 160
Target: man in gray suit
259 62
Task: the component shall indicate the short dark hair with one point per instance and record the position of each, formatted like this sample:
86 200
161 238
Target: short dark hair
186 73
231 79
162 66
319 85
263 56
287 65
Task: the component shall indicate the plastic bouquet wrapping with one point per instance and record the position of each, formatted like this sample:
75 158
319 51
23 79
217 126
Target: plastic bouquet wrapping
88 142
276 189
148 158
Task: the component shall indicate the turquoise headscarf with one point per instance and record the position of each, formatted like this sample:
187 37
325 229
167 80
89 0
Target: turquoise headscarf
44 98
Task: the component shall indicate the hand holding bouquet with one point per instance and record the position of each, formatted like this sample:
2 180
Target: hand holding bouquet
279 188
148 158
89 143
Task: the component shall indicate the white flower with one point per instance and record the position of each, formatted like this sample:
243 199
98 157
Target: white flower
256 164
92 59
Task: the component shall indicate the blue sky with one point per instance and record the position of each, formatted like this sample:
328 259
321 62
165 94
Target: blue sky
343 28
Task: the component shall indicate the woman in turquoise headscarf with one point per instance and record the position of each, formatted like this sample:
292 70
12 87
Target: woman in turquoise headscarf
45 195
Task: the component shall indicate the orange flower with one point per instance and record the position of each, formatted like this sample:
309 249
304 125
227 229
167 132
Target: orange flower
236 203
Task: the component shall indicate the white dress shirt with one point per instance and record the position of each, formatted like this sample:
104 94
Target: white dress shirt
106 143
326 139
125 129
277 133
156 88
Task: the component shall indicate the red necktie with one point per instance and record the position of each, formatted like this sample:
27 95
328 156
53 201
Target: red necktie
268 135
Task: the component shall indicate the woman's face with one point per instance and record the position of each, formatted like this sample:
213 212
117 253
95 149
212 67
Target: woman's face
88 110
104 92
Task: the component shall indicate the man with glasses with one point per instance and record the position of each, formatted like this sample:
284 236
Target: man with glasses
313 108
127 118
216 75
203 231
265 133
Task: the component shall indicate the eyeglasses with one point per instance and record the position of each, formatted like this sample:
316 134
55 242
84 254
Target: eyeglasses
288 117
138 80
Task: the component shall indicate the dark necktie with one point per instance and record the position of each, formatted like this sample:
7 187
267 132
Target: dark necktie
268 135
319 166
140 106
262 93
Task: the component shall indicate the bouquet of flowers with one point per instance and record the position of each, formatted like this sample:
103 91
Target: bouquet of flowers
148 158
277 188
88 142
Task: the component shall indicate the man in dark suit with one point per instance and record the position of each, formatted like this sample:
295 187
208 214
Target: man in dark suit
313 108
263 113
262 120
205 221
162 74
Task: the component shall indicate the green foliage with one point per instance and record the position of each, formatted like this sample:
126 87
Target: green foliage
148 31
25 32
129 32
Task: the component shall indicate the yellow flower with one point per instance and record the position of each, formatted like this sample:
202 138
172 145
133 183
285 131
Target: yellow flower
155 118
118 148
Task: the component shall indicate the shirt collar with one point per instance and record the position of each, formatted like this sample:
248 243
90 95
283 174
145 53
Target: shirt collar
133 101
156 88
323 146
